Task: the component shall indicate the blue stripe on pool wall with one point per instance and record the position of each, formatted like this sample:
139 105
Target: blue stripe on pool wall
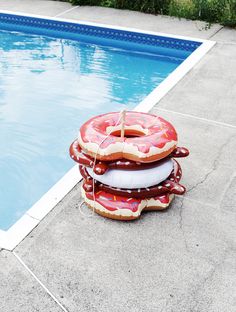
50 26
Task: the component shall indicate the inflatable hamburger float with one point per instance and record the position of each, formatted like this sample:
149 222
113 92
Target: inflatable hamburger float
127 161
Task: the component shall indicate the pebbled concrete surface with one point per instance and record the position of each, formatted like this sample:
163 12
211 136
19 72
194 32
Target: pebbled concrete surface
180 260
39 7
211 164
225 35
209 90
19 291
139 20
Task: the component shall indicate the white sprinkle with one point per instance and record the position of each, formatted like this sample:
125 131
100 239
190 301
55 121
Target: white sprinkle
167 185
127 162
139 190
129 199
178 177
102 197
138 163
177 152
159 187
129 191
148 189
118 162
172 179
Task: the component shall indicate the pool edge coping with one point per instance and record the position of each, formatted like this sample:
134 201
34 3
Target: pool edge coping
16 233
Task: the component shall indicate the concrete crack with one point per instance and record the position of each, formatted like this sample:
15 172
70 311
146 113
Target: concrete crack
181 223
214 167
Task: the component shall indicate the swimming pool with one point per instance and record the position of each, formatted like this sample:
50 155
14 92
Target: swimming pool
54 76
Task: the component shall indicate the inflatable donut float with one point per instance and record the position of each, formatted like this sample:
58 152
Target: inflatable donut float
169 185
135 178
123 208
147 138
129 204
127 164
100 167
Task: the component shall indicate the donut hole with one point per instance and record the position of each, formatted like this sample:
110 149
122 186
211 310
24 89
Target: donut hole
129 133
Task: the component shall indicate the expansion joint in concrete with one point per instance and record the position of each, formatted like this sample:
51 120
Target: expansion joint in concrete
66 11
216 32
39 282
217 123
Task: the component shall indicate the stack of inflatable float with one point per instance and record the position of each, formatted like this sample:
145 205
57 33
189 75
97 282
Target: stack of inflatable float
128 164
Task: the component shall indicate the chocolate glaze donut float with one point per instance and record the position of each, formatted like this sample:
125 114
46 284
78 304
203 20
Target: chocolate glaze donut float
100 167
170 185
125 175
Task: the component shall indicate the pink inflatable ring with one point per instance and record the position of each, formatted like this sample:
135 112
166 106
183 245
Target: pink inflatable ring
147 137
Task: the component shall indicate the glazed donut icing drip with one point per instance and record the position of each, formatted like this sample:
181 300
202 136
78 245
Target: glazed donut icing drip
114 202
159 135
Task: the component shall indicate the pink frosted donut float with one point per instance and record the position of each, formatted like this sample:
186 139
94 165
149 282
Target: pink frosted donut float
147 138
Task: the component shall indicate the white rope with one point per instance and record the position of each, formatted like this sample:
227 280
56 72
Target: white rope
122 112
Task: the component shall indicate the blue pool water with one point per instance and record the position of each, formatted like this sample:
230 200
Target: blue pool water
48 88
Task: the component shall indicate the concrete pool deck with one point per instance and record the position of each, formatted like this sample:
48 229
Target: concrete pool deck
179 260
